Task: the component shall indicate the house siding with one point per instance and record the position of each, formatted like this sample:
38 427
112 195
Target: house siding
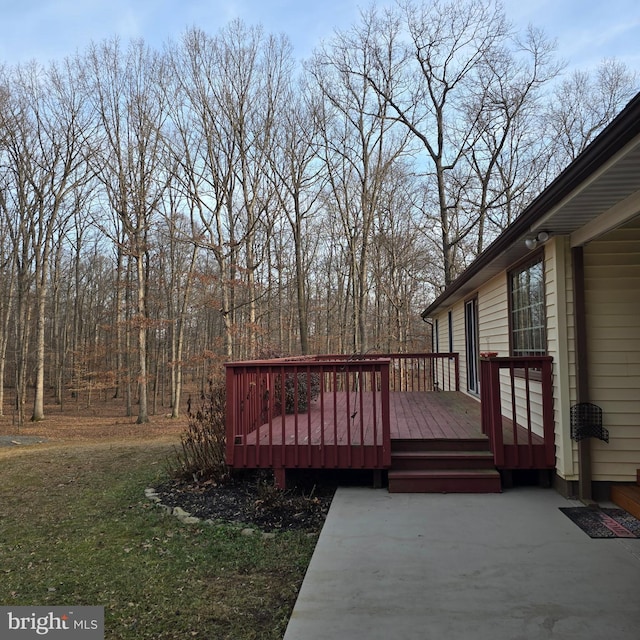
493 323
493 316
561 346
493 329
612 293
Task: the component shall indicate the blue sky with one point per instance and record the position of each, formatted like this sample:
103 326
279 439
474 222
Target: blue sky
587 30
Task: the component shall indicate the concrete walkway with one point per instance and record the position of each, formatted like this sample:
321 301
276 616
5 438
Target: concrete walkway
505 566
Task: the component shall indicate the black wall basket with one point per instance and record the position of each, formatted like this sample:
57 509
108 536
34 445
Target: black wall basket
586 422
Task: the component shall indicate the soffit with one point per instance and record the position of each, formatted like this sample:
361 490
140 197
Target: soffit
615 181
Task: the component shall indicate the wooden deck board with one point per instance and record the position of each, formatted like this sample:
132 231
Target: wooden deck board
428 416
416 416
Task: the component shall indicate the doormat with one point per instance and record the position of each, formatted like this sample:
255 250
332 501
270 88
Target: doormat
604 523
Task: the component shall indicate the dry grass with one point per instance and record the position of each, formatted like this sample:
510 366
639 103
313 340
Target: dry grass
102 421
75 529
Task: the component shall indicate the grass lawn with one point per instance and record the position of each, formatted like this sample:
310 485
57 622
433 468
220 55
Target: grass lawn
76 529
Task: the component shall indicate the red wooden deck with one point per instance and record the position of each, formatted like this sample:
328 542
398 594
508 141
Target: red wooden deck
414 416
449 415
356 428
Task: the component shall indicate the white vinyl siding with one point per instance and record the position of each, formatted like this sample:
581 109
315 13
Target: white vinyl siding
612 291
493 316
561 346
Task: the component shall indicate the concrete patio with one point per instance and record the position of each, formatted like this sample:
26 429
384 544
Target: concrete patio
509 566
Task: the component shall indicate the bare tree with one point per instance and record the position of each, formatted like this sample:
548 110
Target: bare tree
16 199
505 103
177 257
400 260
127 156
206 149
7 286
232 85
584 104
298 180
360 148
44 126
428 86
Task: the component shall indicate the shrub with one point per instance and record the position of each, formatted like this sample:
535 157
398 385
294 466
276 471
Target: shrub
202 452
290 391
290 386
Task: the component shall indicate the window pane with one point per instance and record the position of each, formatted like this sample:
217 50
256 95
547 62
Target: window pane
527 310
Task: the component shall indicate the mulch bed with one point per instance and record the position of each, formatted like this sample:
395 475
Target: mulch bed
252 500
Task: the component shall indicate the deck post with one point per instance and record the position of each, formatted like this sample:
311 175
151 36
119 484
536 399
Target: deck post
548 423
495 419
230 414
386 415
585 485
280 476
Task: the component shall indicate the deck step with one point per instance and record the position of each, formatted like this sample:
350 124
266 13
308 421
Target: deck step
447 460
445 481
443 444
461 465
627 497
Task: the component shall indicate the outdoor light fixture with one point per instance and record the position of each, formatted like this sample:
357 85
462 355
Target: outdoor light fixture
532 241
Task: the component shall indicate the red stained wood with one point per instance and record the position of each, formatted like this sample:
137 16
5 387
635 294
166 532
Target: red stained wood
414 416
304 439
517 446
356 429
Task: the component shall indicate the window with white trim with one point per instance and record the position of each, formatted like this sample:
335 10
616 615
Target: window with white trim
527 320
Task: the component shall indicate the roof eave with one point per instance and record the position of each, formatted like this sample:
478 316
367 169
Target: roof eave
612 139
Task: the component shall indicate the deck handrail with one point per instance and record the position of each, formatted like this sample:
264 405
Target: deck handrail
422 371
515 389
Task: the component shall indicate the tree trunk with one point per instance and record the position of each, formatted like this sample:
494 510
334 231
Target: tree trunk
143 411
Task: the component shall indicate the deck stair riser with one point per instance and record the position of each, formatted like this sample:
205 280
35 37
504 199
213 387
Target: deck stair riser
443 444
442 466
457 481
441 460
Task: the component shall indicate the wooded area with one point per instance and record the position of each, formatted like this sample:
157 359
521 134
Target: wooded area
163 211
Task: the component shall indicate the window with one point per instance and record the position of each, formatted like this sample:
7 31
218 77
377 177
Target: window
527 309
436 336
450 322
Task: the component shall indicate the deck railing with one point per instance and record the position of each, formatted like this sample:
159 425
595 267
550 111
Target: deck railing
308 412
424 372
517 411
415 371
324 411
